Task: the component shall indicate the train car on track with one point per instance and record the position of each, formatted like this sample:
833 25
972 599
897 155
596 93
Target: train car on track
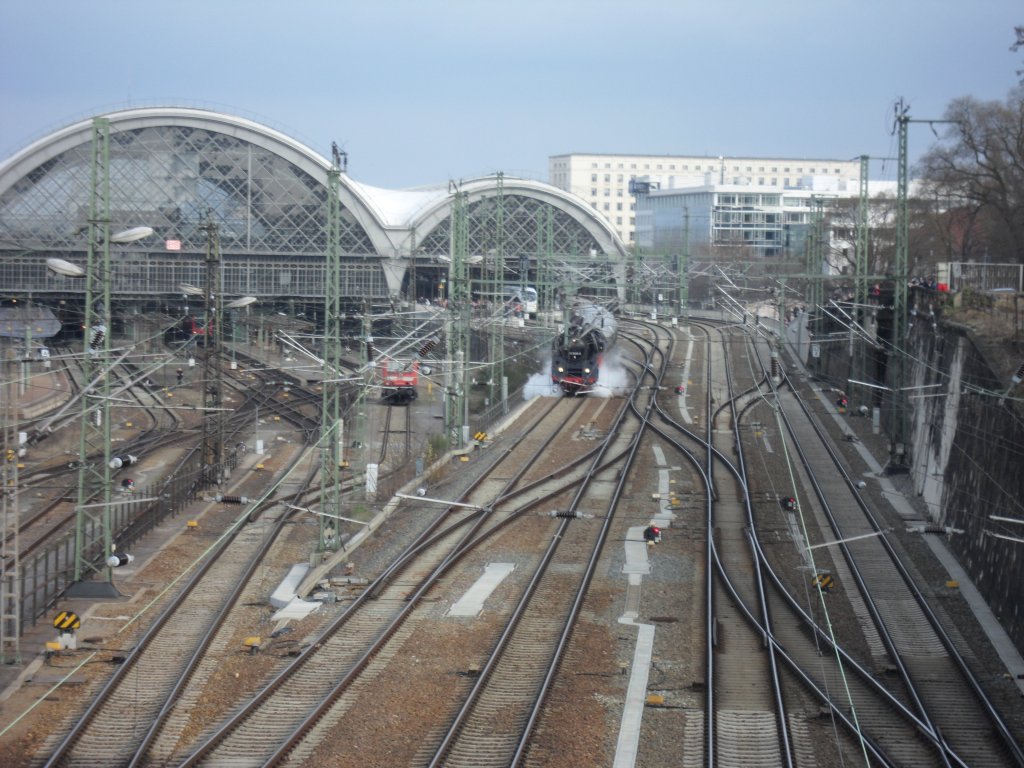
190 327
578 351
398 381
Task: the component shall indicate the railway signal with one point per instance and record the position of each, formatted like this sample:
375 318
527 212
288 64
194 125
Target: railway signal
652 535
67 621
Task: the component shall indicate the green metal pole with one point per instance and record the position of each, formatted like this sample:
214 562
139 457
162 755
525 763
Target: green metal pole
213 421
332 450
496 337
93 536
458 336
897 376
684 260
861 271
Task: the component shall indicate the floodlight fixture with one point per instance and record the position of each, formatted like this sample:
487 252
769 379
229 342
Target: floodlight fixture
66 268
131 235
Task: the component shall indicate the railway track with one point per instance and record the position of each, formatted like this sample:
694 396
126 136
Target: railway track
908 724
780 680
129 713
300 698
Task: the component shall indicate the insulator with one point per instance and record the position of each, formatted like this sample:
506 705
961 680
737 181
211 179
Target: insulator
96 336
564 513
428 345
1018 377
232 499
123 461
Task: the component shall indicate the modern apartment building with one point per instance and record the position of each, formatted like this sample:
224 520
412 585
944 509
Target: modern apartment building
602 180
764 220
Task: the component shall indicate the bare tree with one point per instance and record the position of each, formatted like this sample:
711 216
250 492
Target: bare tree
978 168
1019 31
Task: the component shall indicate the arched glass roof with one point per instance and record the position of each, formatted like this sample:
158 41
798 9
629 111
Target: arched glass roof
171 177
175 169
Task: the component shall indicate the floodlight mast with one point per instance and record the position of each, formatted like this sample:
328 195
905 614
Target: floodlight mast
93 533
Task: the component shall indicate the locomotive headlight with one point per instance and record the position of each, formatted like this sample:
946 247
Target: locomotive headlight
586 370
561 369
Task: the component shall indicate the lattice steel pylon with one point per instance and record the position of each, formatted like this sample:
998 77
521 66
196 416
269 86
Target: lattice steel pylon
897 356
93 536
861 270
455 416
496 337
332 429
684 278
213 377
10 563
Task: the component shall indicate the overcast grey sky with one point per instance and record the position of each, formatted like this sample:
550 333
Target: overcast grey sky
418 92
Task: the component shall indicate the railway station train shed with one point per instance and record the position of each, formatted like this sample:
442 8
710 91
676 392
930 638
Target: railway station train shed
179 170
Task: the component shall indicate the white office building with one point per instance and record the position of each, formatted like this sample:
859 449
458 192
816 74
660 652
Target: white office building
603 180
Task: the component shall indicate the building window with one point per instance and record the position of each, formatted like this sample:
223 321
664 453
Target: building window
618 206
593 178
607 178
607 206
593 191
